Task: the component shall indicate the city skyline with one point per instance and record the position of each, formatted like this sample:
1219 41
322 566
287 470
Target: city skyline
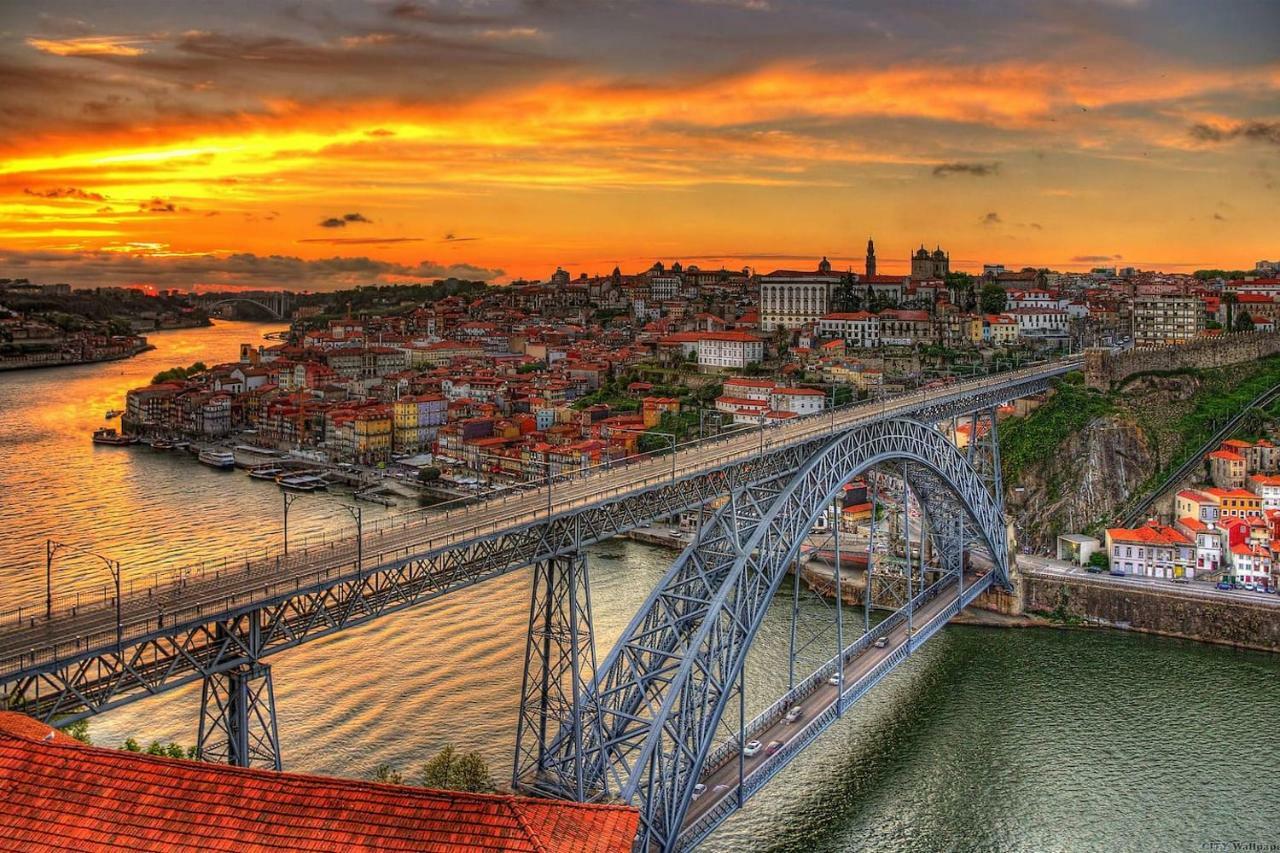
175 146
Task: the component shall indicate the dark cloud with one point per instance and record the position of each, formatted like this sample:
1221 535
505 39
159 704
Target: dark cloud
341 222
66 192
245 268
1219 217
432 14
992 218
1095 259
453 238
1254 131
977 170
158 205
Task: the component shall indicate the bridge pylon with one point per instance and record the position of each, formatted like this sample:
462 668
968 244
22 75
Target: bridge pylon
238 718
559 664
238 707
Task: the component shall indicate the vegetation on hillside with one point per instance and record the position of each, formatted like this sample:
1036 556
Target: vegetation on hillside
1068 410
177 374
448 770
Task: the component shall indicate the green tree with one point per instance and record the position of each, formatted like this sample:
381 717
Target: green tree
387 774
452 771
429 474
1244 323
131 745
992 299
1099 559
78 730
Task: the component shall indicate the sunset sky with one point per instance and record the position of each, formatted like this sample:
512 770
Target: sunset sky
325 144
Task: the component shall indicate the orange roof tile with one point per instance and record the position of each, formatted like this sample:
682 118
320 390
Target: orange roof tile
61 793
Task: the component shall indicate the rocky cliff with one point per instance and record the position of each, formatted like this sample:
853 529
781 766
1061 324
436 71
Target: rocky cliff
1078 482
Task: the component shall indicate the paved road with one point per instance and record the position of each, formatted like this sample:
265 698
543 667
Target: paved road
1195 589
721 781
218 590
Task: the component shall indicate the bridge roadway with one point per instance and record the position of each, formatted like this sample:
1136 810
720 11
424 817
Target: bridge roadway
862 670
35 642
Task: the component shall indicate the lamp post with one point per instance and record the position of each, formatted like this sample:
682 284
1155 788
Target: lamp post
288 502
357 513
113 566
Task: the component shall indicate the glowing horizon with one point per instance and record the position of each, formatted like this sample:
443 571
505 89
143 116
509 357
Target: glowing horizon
172 146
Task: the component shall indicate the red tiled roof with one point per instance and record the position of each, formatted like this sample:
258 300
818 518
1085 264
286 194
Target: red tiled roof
61 794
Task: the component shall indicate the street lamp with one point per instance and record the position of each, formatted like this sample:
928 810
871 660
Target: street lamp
357 513
289 498
113 566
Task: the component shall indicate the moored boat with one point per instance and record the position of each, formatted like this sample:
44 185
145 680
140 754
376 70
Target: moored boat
162 444
221 459
265 472
113 413
107 435
301 482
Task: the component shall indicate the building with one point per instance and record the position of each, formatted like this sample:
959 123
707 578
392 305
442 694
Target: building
1152 551
1227 469
1159 320
790 299
1234 503
871 258
855 328
926 265
721 350
800 401
92 799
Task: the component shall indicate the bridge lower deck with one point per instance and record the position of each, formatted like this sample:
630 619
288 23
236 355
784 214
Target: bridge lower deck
861 672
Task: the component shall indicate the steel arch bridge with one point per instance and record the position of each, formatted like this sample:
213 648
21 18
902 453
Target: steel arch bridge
277 309
642 729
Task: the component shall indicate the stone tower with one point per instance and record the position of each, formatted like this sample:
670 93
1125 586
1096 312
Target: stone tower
871 257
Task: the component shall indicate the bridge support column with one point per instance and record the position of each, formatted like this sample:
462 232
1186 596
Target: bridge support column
559 663
238 718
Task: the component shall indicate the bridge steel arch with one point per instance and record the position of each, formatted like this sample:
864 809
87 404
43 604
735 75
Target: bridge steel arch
276 312
654 706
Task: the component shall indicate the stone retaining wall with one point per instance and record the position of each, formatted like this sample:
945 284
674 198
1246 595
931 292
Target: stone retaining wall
1104 369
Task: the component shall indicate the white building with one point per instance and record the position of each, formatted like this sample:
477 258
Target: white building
1152 551
800 401
857 328
719 350
790 299
1267 487
1034 322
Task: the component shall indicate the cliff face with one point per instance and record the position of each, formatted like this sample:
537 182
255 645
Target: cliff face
1094 471
1084 480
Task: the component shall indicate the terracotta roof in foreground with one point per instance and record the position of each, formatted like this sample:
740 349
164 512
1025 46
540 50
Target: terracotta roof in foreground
62 795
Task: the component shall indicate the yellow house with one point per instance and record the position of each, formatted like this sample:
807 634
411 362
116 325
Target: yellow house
405 419
373 433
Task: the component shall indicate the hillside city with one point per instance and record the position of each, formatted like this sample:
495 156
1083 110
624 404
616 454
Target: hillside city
472 386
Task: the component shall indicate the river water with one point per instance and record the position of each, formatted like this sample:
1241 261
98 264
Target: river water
1028 740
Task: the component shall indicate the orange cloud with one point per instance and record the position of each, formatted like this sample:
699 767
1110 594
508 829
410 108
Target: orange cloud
90 46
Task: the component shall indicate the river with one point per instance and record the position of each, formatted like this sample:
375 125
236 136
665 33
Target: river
1028 740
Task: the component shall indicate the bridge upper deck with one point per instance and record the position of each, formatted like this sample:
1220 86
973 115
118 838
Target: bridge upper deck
37 643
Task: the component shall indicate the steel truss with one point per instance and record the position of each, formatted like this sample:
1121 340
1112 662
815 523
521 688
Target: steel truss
559 663
662 691
238 718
